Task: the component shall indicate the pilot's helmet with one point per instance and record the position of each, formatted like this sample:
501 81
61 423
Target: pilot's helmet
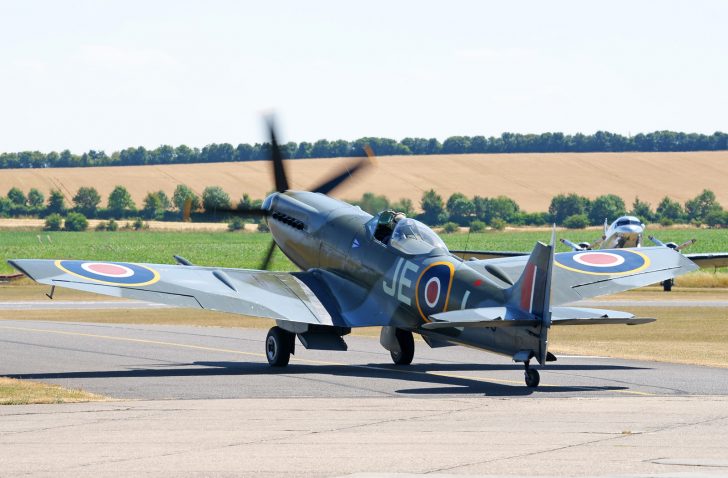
399 216
386 217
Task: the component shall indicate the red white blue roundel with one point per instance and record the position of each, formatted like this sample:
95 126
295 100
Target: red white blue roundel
114 273
433 288
612 262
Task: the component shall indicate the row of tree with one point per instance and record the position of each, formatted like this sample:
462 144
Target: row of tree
119 204
571 210
601 141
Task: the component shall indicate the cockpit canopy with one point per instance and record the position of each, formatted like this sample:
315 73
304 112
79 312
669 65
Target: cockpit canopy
412 237
629 221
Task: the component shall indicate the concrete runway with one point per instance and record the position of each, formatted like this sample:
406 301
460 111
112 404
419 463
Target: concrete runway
455 411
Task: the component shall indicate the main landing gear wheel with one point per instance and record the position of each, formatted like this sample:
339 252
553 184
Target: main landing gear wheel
406 348
279 346
532 377
667 285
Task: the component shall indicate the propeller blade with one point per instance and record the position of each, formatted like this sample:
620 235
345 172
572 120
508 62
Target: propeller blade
656 241
279 170
597 244
686 244
337 180
268 256
574 247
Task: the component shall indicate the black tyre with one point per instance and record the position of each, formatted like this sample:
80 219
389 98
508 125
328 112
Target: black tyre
532 378
667 285
406 346
278 347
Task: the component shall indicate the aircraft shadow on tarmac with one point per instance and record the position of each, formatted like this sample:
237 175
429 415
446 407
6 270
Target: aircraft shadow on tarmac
418 373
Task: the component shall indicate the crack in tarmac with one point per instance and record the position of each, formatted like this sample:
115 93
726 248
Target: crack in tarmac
576 445
268 440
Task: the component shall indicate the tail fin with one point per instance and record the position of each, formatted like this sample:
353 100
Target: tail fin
531 294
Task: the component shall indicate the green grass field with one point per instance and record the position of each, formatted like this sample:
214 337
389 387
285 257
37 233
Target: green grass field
247 249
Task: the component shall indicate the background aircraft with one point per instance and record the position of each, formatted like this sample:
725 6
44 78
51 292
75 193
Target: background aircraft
625 232
387 270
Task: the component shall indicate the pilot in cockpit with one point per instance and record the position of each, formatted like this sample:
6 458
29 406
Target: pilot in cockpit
385 225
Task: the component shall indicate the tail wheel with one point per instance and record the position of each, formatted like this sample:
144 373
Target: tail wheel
406 348
278 347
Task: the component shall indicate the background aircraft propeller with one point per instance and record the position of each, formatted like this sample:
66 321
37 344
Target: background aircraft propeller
672 245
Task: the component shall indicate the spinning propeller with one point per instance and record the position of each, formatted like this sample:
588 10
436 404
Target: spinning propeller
281 184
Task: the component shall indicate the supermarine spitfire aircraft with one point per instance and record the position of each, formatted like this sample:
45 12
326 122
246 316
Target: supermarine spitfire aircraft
388 271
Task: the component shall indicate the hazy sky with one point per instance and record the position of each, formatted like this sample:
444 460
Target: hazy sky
107 75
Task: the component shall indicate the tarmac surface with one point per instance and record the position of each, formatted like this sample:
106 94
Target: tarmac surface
203 402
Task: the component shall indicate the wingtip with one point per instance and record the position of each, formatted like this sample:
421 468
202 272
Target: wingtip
14 264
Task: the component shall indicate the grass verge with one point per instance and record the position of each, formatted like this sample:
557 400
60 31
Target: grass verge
25 392
691 335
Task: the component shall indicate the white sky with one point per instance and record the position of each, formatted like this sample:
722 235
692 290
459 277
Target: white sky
107 75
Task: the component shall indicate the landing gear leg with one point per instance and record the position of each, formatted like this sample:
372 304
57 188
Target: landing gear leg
279 346
406 348
532 376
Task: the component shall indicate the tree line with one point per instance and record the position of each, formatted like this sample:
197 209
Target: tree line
570 210
601 141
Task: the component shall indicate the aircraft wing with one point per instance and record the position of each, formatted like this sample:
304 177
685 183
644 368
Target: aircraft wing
709 259
581 275
483 255
274 295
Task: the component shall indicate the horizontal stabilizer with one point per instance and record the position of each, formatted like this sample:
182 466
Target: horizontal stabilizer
504 317
481 317
584 316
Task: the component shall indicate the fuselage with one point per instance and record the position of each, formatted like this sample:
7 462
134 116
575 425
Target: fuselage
626 231
401 281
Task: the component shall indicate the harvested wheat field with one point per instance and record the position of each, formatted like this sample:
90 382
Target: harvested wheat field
531 179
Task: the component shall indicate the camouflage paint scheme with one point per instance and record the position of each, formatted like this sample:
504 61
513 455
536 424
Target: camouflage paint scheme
410 284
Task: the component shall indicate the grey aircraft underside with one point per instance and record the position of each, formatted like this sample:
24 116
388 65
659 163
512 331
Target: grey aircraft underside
388 271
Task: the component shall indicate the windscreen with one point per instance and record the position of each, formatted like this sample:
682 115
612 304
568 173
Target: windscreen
412 237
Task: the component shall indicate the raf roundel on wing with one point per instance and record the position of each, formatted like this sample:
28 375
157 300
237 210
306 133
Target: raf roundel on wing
113 273
613 262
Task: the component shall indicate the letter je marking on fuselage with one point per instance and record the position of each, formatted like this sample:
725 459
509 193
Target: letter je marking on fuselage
405 282
389 289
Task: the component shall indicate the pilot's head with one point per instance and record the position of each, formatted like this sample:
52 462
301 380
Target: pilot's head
386 218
